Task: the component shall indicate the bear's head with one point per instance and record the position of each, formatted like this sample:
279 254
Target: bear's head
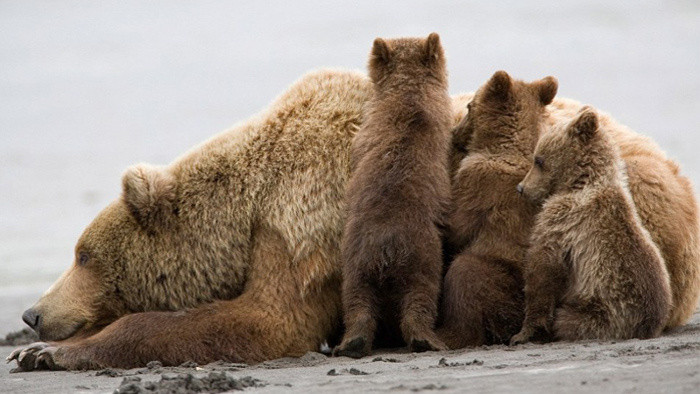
396 62
505 115
569 157
99 286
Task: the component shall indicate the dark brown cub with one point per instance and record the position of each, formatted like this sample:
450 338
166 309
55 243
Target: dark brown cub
397 197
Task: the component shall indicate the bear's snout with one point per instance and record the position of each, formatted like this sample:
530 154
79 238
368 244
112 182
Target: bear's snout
32 318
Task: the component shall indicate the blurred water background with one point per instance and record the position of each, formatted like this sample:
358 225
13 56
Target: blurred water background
88 88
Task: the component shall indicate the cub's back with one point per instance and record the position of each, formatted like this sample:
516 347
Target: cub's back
401 165
613 259
485 184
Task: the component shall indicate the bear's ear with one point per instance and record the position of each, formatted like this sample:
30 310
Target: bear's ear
499 87
585 125
546 89
149 193
433 48
381 53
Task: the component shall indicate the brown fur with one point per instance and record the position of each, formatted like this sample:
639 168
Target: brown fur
397 197
665 202
593 271
490 223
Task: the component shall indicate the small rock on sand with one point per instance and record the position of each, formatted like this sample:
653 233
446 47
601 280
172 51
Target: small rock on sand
154 365
109 372
386 359
444 363
351 371
214 382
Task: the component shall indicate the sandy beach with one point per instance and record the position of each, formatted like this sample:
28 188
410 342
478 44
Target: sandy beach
668 364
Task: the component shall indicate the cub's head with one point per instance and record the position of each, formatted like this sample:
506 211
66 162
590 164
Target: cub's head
569 157
506 114
106 280
406 60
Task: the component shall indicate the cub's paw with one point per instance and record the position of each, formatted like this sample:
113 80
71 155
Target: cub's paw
419 345
357 347
37 356
523 336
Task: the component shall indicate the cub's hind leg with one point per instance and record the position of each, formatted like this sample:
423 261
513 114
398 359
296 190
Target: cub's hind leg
581 321
482 302
419 297
360 305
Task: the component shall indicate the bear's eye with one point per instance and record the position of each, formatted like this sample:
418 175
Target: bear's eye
83 258
539 162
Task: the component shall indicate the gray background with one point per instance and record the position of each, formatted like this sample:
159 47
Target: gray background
88 88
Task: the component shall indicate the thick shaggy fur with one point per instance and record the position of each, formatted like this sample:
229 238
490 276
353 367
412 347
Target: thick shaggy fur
397 197
490 224
665 201
593 271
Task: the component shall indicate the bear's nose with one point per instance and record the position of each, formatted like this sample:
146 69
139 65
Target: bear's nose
519 188
31 317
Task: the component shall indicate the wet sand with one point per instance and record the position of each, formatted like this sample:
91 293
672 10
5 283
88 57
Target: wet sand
670 363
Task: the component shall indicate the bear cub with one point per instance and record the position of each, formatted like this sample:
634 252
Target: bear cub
397 197
489 224
593 271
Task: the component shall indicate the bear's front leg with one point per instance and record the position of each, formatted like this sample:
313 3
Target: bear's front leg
546 277
538 320
230 331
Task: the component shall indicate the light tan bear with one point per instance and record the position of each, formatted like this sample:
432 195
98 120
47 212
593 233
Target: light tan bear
592 270
239 238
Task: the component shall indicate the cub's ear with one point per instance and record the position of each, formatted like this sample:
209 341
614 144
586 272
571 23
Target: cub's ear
585 125
433 48
381 53
149 193
499 87
546 89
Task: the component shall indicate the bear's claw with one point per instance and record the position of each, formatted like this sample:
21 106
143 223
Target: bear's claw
38 355
45 359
